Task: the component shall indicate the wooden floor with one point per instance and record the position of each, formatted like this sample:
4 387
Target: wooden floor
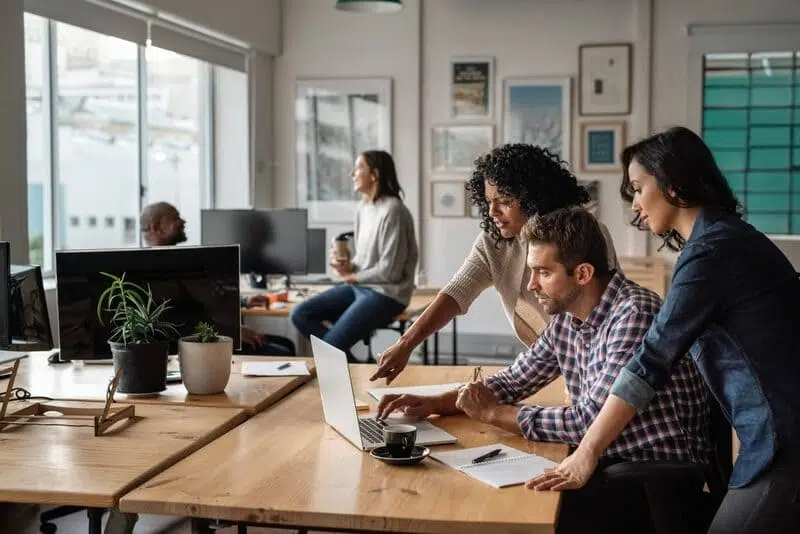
148 524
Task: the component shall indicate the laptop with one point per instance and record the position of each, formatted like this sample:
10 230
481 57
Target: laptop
339 404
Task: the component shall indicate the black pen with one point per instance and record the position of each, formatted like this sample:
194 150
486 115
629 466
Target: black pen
484 457
283 366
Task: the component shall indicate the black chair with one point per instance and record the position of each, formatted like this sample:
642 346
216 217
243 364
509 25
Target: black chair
95 518
676 499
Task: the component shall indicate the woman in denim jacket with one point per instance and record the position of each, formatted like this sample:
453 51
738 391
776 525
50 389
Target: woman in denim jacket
734 303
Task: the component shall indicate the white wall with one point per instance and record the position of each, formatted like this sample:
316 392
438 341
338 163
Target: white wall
13 178
256 22
320 42
526 38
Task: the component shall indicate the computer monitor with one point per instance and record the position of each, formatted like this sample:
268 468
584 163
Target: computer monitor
5 273
270 241
201 283
317 250
28 318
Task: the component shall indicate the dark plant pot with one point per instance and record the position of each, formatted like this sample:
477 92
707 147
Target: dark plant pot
144 367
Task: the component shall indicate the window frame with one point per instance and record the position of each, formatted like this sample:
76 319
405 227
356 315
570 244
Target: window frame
731 39
52 230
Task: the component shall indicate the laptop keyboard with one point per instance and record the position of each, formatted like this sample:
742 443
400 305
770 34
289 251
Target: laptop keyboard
371 430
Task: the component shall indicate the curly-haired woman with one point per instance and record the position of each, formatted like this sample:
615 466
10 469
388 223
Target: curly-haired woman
509 184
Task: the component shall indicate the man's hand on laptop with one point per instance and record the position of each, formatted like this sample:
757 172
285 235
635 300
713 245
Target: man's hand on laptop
412 405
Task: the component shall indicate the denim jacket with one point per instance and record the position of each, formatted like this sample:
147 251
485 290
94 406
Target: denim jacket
734 304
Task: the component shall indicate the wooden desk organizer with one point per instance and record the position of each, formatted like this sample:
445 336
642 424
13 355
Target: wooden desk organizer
35 414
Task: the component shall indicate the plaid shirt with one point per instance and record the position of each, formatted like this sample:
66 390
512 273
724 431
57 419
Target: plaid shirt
590 355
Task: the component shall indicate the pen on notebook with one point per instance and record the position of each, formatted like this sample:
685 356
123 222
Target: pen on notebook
283 366
484 457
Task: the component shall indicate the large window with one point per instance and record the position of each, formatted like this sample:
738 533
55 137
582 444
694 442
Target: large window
751 121
177 111
38 143
96 111
112 126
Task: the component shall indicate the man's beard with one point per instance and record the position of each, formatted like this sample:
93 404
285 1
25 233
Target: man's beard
178 238
557 306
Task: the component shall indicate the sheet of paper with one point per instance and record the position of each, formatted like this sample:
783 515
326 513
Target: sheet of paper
459 458
433 389
271 368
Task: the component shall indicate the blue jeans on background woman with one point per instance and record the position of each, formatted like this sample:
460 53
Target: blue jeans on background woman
353 311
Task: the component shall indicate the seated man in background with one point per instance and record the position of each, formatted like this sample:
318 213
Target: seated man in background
162 225
263 344
599 319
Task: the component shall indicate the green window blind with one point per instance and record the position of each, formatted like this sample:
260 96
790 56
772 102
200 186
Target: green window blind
751 122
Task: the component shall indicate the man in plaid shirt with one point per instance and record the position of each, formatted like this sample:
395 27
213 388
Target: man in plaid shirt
599 317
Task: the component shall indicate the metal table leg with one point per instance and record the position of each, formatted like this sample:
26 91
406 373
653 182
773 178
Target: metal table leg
455 343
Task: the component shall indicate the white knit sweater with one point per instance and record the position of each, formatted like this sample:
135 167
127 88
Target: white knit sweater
504 267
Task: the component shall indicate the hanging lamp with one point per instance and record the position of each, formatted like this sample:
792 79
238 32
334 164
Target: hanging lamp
369 6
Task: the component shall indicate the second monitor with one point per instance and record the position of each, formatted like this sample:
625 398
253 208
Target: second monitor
270 241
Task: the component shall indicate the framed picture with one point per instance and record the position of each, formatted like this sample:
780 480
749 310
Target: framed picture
471 82
448 198
537 111
456 147
601 145
605 79
336 120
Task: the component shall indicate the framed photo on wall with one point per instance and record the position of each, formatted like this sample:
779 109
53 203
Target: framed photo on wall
336 120
455 147
537 111
448 198
601 145
605 79
471 87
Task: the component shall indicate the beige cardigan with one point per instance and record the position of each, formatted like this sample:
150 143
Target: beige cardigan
504 267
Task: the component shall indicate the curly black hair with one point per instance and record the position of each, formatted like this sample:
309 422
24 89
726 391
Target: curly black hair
533 176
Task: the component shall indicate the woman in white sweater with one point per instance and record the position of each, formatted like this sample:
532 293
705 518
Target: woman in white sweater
380 279
510 184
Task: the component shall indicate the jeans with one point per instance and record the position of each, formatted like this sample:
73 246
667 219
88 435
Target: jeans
353 311
770 505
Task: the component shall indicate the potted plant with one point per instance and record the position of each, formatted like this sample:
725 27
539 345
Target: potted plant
205 359
139 337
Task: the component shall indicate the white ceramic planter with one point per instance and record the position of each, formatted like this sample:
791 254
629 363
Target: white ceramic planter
205 367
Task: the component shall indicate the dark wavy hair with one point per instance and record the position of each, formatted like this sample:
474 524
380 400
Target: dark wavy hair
533 176
382 163
686 173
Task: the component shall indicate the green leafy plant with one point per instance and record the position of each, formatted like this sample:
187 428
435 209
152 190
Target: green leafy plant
135 316
206 333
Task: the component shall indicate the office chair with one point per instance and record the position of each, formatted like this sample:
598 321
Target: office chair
95 518
669 486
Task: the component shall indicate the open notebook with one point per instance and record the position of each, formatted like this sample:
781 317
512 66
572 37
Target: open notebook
509 468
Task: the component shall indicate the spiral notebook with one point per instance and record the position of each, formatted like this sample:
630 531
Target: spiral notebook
509 468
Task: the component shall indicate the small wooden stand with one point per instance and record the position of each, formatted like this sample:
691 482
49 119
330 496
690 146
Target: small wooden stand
35 414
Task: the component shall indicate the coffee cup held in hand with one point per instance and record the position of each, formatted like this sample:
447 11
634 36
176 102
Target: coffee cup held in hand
399 440
341 252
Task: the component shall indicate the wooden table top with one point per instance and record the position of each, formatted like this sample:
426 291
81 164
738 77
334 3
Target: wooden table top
68 465
286 467
419 301
89 381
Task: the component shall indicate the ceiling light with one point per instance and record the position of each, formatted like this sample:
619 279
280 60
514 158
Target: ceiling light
369 6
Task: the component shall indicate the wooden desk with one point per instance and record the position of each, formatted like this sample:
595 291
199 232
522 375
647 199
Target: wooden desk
286 467
420 301
89 382
68 465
